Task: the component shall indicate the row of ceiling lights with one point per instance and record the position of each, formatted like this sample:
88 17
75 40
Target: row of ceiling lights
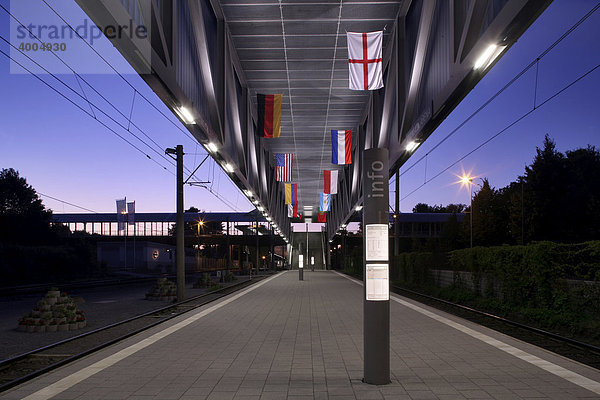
486 58
187 117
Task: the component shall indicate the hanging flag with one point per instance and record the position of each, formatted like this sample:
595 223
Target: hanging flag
322 217
364 60
291 193
284 167
293 211
341 147
121 211
269 115
325 202
330 178
131 213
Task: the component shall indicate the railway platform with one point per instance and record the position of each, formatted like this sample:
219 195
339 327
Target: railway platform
288 339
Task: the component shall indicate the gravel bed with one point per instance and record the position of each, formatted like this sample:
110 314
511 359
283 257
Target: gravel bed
102 306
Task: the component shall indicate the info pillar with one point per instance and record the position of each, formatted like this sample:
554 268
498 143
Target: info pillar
376 267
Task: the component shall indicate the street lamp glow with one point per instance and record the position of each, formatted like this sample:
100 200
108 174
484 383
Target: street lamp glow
467 180
186 115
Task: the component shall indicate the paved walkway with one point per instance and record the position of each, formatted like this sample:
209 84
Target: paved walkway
286 339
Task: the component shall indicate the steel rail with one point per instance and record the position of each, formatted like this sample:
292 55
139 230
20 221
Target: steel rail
7 362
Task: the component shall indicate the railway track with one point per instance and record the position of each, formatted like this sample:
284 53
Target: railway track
19 369
582 352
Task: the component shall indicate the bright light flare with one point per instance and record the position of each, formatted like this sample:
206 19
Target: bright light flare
465 179
228 168
412 145
486 58
186 115
212 147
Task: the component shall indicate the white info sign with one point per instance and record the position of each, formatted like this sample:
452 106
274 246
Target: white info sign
376 242
378 287
300 261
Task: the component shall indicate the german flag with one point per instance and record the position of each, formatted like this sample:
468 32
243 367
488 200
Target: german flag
269 115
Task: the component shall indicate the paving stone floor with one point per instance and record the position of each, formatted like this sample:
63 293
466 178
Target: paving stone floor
288 339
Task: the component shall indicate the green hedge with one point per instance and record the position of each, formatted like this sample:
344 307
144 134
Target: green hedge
532 277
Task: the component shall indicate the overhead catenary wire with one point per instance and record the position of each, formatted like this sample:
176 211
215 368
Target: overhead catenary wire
84 111
185 132
506 128
65 202
158 150
533 63
84 97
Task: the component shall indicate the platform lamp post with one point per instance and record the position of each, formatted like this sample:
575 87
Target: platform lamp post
376 320
468 180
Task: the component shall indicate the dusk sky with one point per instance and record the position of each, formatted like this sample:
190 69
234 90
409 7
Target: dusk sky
64 153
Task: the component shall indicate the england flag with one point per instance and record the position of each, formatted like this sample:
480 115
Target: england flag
364 60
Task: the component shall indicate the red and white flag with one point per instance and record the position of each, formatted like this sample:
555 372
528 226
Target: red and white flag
284 167
364 60
330 178
293 211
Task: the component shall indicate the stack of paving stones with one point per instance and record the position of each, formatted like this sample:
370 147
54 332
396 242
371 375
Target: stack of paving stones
56 311
163 290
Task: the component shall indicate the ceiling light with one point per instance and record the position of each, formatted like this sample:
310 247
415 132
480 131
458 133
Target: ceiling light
268 218
358 208
248 193
411 146
260 208
228 168
486 57
186 115
212 147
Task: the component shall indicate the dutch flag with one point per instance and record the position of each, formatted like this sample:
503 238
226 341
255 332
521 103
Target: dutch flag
341 147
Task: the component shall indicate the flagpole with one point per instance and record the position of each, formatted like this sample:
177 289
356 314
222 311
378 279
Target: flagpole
125 232
307 256
133 266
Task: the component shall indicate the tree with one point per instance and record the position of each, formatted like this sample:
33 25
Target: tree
545 179
490 216
582 189
450 208
23 217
